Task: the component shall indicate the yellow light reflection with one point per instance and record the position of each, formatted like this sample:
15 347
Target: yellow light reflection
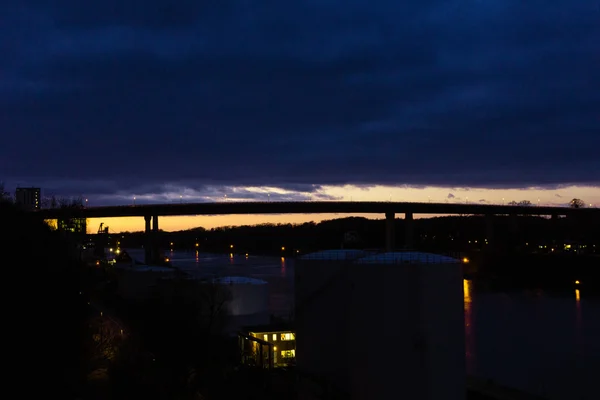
467 290
577 295
469 334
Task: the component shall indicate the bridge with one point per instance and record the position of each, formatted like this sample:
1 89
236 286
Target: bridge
151 212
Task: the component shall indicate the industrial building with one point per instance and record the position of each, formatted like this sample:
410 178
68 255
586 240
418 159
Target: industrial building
381 325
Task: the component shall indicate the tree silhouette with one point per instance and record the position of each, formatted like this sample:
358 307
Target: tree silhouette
576 203
46 287
4 195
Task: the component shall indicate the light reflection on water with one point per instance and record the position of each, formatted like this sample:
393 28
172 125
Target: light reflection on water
545 344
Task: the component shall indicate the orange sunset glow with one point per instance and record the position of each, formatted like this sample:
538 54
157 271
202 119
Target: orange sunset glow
537 196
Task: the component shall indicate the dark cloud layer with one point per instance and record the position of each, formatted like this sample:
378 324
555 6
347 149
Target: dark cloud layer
141 94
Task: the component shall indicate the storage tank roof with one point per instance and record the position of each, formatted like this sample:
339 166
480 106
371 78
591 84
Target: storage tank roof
341 254
239 280
407 257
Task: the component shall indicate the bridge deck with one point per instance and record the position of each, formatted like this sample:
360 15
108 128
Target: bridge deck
307 207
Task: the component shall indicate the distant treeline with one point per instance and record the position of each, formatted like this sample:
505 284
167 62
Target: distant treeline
441 234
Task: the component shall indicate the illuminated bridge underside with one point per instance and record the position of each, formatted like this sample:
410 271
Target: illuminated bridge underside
312 207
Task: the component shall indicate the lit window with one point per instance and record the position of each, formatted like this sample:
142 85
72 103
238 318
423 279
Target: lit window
288 353
274 337
266 337
288 336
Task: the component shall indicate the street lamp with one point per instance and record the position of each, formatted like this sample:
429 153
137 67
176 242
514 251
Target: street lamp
134 200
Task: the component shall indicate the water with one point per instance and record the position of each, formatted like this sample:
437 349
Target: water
539 342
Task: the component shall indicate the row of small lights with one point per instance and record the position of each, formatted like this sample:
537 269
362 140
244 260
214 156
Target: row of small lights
390 199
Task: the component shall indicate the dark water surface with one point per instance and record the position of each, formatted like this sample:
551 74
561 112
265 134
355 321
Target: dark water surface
545 343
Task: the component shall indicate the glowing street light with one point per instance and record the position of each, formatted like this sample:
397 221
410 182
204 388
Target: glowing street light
134 200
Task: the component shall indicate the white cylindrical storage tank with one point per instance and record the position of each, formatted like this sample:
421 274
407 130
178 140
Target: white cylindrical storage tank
320 309
247 301
399 330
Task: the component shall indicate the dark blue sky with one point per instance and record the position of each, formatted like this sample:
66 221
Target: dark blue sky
114 96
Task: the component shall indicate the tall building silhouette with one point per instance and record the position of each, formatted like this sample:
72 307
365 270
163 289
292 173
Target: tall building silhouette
28 198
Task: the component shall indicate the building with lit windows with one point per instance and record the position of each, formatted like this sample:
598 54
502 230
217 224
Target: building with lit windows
73 225
268 345
28 198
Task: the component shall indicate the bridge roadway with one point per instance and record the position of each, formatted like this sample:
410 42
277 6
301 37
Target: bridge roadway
308 207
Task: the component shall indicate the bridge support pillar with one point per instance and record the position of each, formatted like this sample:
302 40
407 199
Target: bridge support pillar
390 231
489 231
156 256
148 240
409 230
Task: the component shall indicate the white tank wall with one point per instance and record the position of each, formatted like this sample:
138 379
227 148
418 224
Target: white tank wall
320 317
386 330
320 286
247 299
247 302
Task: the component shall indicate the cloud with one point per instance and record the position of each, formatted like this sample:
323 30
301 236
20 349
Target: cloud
109 193
140 95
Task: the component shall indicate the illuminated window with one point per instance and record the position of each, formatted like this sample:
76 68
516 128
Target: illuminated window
274 337
266 337
288 353
288 336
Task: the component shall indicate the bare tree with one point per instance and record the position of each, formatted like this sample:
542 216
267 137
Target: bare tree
4 195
